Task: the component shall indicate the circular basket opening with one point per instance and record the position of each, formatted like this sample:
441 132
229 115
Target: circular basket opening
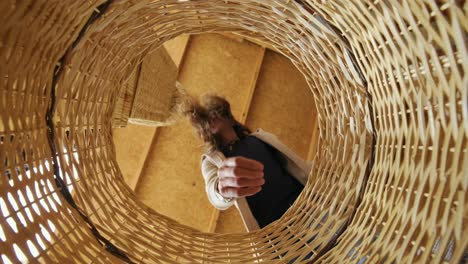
160 154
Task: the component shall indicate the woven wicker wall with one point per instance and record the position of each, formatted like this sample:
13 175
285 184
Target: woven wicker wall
124 101
148 97
155 96
390 176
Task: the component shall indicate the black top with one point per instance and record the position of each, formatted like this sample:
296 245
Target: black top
280 189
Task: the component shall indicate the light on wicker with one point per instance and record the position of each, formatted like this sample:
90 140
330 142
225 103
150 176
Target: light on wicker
389 182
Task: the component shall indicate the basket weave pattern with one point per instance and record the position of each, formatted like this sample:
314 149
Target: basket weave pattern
389 181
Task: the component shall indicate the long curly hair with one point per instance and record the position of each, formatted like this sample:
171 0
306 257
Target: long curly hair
211 105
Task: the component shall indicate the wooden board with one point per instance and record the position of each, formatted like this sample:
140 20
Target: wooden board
132 144
283 104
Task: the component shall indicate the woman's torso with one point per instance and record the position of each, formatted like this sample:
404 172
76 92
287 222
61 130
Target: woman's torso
280 189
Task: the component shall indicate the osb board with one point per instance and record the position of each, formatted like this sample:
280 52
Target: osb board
123 106
171 181
154 96
283 104
176 48
220 64
131 145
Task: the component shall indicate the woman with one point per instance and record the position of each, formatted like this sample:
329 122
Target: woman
255 171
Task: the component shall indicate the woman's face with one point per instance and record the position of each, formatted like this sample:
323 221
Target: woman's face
217 124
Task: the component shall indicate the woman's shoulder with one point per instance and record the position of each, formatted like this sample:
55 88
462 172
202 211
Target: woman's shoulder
265 135
211 153
260 132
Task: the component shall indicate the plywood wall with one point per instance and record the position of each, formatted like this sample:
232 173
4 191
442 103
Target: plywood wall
132 144
283 104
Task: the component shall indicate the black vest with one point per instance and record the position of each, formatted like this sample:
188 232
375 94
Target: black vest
280 189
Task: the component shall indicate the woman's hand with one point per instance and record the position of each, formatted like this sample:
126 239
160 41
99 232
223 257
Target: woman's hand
240 176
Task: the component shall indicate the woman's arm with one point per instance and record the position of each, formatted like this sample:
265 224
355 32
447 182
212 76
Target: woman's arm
210 175
237 177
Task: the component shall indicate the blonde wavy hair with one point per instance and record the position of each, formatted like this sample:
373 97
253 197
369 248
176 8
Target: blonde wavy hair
199 113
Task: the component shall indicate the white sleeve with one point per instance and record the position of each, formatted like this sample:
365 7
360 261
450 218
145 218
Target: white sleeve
210 175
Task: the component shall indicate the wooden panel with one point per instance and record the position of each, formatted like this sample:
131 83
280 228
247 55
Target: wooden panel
132 144
176 48
171 181
282 103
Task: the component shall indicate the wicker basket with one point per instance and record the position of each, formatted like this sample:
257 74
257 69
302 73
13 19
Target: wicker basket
149 96
389 182
125 99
